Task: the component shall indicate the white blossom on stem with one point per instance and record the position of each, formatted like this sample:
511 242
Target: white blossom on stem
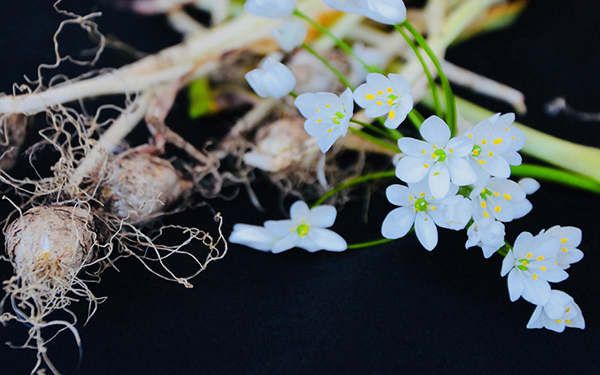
559 312
289 34
389 12
419 207
270 8
487 234
500 199
495 145
382 95
305 229
531 265
271 79
438 158
327 116
570 238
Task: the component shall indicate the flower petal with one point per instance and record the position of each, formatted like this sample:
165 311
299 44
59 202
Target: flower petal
399 195
398 222
439 180
328 239
322 216
326 141
280 228
412 169
461 172
299 211
286 243
426 230
414 147
435 131
253 236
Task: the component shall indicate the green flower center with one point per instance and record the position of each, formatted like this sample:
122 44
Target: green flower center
441 155
302 229
421 204
476 150
485 193
338 116
523 266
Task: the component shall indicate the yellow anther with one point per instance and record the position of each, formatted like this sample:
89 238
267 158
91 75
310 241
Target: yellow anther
541 257
529 255
392 114
451 150
379 92
327 105
483 205
319 121
379 103
470 135
559 320
390 102
369 96
424 151
507 196
568 321
563 240
535 276
484 141
389 90
490 154
482 162
497 141
564 249
496 194
543 268
497 208
329 131
486 214
426 165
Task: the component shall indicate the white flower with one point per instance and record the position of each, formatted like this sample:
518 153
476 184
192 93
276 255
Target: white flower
500 199
529 185
253 236
383 95
327 116
561 311
390 12
495 145
530 265
305 229
487 234
271 8
419 207
290 34
438 158
570 238
271 79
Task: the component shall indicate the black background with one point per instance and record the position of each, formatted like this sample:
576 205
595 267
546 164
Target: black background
386 310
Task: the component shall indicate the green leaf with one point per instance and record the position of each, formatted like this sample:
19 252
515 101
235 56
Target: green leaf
200 97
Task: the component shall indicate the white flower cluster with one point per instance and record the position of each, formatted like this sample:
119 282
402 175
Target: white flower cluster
456 181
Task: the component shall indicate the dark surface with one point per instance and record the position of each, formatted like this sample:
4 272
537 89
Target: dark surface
387 310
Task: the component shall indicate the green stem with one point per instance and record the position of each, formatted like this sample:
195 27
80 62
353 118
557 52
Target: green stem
352 182
451 116
416 118
339 74
376 129
376 140
557 176
337 41
504 249
369 244
432 86
293 94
